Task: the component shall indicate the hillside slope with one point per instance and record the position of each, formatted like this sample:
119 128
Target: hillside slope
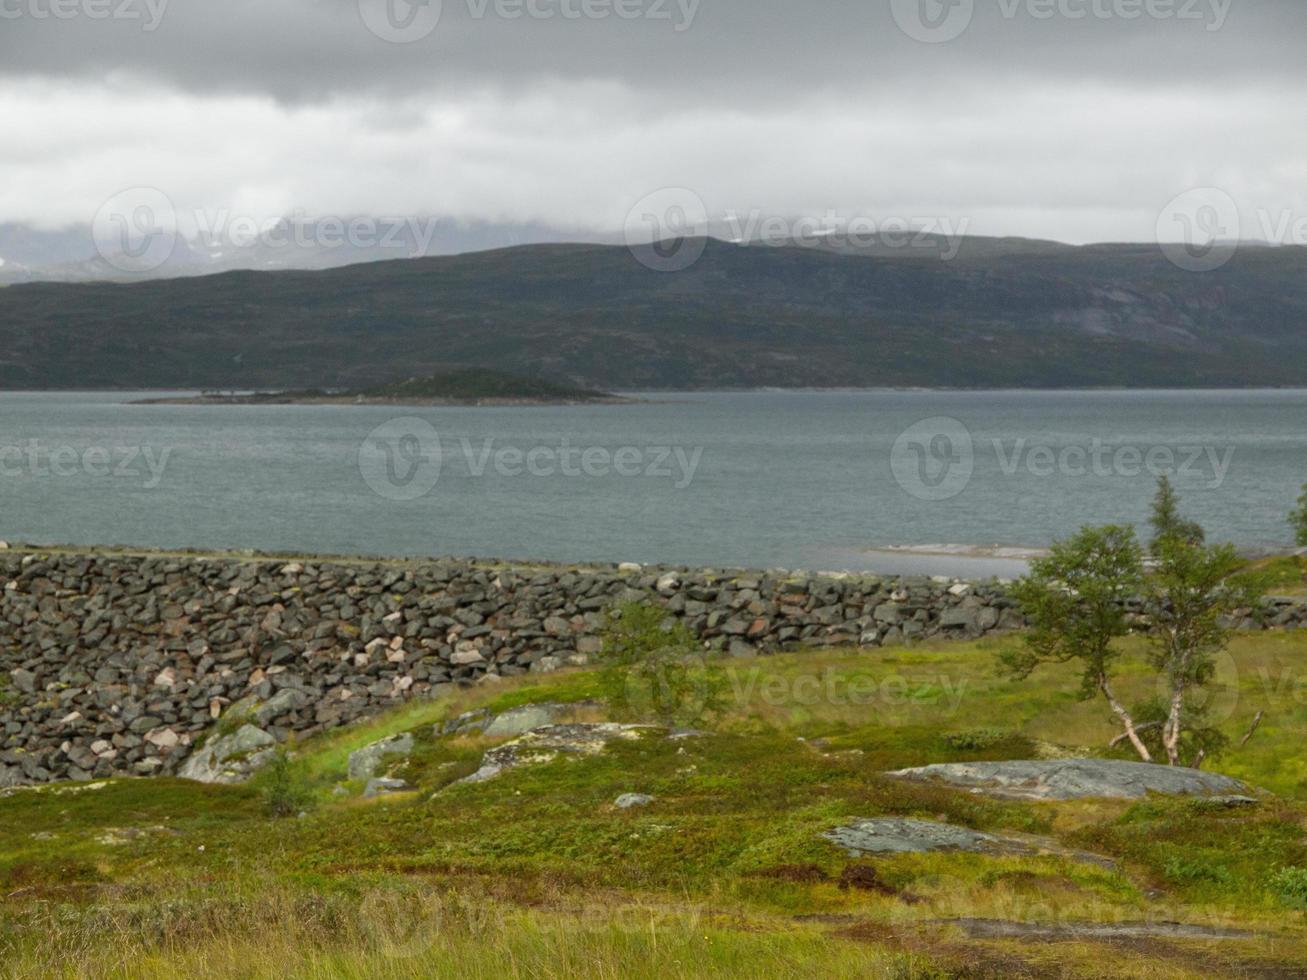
723 867
999 314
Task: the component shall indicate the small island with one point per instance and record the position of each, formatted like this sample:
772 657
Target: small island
462 386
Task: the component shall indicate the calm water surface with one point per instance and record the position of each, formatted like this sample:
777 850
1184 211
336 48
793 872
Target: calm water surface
796 479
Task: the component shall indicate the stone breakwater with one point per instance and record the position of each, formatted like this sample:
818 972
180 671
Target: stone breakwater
119 665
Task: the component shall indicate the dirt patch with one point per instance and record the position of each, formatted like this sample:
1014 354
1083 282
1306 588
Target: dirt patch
864 878
953 960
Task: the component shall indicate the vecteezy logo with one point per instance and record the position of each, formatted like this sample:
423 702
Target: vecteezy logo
400 21
1199 229
136 231
401 459
934 459
666 230
933 21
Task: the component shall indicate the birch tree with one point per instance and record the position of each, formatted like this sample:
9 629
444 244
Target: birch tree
1190 597
1075 601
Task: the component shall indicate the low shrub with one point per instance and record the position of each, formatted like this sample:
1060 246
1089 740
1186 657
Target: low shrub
285 792
1290 884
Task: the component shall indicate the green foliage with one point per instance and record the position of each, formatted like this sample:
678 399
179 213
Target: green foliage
1298 519
1076 600
1290 884
1073 600
8 695
1189 599
1166 519
1208 854
1282 574
978 739
1198 737
653 669
285 792
1192 871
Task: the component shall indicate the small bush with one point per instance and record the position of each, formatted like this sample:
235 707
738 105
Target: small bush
1290 884
652 668
977 739
285 792
1190 871
1298 519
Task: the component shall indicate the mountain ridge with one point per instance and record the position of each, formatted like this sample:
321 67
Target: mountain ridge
1001 313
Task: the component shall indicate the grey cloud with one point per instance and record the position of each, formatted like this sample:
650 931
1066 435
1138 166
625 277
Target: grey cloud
1025 123
732 50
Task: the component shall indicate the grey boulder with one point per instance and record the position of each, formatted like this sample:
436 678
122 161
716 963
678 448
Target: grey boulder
546 744
364 763
384 787
529 717
230 758
628 801
514 722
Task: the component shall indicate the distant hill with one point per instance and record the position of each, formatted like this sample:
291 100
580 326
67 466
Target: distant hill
69 255
1003 312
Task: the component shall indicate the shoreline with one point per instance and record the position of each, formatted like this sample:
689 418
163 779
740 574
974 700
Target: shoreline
775 389
972 553
256 555
364 401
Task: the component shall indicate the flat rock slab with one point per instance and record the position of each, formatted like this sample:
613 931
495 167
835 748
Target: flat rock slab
1075 779
901 835
516 721
546 744
892 835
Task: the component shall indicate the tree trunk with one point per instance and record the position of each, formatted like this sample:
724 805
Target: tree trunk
1127 721
1171 733
1179 667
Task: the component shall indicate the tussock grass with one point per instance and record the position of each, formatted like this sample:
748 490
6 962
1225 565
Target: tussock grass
411 931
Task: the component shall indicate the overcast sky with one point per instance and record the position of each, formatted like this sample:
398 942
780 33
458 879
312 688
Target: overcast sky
1078 120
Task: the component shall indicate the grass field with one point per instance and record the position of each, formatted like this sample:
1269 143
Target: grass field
1283 574
538 874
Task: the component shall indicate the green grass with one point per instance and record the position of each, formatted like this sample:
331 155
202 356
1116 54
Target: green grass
408 930
537 874
1282 574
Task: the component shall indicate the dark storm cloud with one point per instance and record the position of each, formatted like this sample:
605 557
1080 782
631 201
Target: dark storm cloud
717 50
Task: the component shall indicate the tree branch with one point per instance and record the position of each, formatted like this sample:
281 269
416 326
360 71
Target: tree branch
1257 723
1126 720
1146 726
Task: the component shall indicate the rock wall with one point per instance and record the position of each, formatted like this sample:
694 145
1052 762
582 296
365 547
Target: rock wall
118 665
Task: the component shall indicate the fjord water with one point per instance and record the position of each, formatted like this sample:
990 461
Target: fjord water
754 479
